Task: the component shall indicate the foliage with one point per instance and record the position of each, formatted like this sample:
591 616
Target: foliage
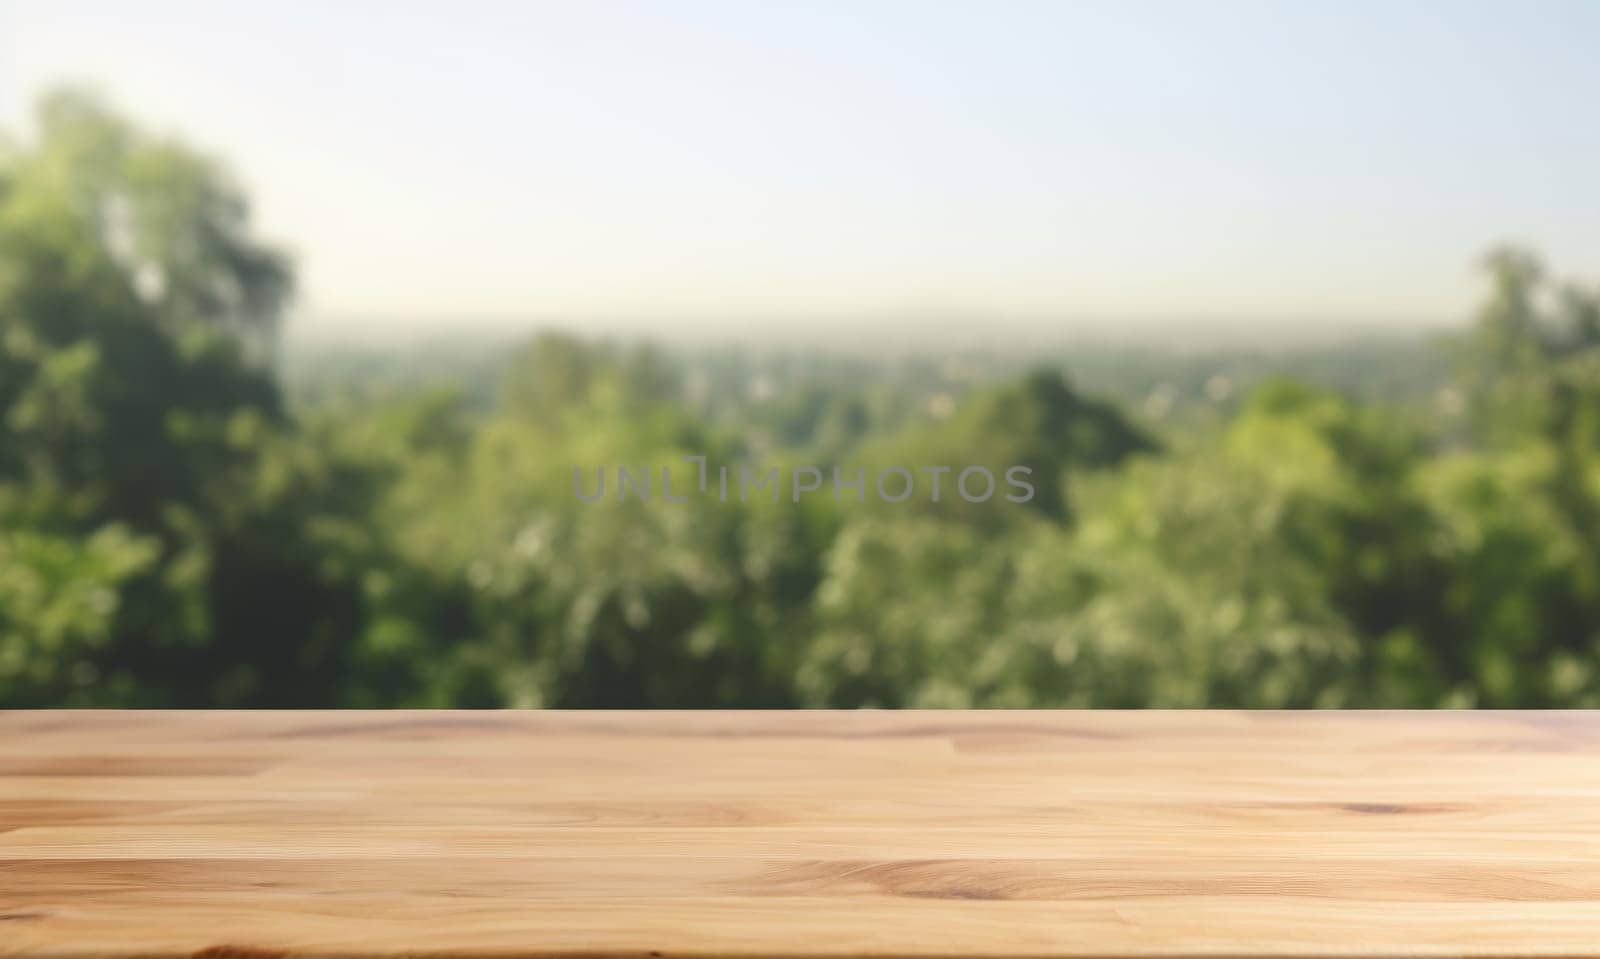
172 535
172 532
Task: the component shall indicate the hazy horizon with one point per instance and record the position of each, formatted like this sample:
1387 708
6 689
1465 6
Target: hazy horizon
845 334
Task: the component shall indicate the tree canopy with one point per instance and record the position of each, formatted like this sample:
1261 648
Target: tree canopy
176 530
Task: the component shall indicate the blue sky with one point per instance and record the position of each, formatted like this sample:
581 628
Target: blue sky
1052 165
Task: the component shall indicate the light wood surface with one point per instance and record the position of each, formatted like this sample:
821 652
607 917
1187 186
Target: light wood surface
244 835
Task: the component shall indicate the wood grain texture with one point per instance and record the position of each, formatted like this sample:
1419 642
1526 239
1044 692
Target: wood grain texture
736 834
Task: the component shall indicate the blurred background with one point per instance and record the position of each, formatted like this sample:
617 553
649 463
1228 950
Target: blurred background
309 311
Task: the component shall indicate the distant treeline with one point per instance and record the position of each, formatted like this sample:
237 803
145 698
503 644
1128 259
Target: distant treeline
1395 523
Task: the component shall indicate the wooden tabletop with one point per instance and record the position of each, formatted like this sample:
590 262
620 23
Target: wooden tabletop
244 835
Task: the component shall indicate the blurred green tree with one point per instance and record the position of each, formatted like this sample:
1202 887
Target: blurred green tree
144 437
